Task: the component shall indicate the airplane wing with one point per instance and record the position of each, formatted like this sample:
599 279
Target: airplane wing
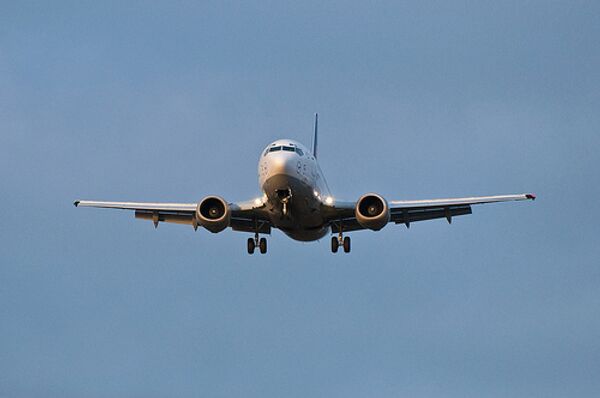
408 211
245 216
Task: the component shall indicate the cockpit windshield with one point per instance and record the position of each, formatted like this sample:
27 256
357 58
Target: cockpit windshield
284 148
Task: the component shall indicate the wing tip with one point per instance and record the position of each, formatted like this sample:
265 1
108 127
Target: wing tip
531 196
76 203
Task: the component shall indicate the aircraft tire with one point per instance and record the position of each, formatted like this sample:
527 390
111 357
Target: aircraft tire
262 245
251 246
335 244
347 244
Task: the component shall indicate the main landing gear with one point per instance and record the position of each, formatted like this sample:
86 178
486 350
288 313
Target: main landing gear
254 242
340 240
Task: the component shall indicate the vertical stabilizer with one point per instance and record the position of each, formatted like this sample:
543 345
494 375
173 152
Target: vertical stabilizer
315 138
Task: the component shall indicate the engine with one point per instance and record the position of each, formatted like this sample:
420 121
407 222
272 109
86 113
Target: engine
372 211
213 213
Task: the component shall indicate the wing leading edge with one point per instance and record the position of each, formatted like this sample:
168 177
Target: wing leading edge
460 201
181 207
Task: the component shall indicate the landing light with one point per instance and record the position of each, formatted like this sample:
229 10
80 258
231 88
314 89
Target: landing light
316 193
257 201
329 200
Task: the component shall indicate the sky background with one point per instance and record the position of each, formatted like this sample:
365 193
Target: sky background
172 101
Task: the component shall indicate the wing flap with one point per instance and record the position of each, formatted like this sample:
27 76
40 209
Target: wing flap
406 216
162 216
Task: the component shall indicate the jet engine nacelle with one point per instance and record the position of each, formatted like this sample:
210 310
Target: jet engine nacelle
213 213
372 211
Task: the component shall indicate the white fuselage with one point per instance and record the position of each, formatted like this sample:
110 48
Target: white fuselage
294 189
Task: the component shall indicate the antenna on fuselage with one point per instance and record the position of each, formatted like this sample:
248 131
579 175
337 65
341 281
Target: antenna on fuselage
314 143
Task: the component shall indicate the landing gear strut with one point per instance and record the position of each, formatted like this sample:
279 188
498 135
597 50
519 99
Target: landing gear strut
284 196
254 242
340 240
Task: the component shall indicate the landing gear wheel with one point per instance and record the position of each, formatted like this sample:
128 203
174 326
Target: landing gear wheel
251 246
347 244
262 245
335 243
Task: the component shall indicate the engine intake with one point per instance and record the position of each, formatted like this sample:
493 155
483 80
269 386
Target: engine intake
372 211
213 213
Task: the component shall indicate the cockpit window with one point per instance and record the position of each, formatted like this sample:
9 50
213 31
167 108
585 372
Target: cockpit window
284 148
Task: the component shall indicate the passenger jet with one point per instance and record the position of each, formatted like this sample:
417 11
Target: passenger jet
296 200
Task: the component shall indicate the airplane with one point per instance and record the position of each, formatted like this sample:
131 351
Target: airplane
296 200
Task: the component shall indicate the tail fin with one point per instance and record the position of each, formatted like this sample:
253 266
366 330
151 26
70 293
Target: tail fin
315 138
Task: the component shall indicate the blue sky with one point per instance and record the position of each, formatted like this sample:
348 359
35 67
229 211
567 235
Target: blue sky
172 101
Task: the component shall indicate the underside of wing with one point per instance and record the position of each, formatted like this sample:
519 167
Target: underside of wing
408 211
245 216
178 213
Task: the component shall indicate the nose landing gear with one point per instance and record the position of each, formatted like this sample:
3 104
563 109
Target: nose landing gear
284 196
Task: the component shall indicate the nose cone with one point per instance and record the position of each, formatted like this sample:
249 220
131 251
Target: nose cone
282 163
